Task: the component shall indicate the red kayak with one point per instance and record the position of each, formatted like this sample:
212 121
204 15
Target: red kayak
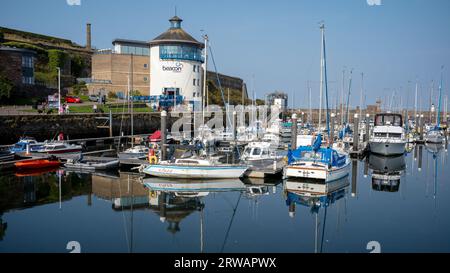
37 164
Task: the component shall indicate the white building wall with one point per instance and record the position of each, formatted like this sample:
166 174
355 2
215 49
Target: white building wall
175 74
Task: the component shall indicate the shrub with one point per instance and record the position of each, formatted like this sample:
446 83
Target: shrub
112 95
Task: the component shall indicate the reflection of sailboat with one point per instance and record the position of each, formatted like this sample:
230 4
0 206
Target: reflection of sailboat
174 201
160 184
434 149
315 195
386 172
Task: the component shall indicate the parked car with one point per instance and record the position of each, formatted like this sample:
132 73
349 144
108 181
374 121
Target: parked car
73 99
94 98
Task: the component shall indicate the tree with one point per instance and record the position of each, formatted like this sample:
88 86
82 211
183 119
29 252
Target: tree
80 88
6 87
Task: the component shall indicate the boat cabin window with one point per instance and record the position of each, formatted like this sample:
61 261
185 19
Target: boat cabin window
19 146
187 161
265 152
309 155
256 151
388 119
59 147
395 135
381 134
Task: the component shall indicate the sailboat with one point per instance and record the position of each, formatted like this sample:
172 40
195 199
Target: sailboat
196 167
140 151
436 134
316 162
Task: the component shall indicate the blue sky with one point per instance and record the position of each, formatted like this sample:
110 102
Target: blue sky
275 44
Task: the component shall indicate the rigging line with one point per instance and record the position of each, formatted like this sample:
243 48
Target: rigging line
220 87
323 229
231 222
124 221
326 86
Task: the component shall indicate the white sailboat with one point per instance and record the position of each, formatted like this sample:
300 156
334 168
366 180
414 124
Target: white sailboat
315 162
436 134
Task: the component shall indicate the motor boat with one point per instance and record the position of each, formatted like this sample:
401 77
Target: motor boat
388 137
91 164
60 147
33 145
435 135
135 152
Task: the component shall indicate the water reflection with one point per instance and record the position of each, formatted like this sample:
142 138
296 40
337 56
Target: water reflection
122 212
315 195
386 172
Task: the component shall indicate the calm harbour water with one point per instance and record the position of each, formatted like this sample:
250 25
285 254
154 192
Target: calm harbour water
114 212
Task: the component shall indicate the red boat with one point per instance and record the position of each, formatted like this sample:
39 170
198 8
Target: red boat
37 164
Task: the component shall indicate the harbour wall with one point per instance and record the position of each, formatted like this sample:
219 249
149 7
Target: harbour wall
74 126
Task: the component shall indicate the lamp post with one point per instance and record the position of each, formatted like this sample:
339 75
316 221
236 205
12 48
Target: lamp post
59 90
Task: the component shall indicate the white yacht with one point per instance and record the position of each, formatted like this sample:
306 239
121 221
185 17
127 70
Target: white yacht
60 147
435 135
136 152
259 151
388 137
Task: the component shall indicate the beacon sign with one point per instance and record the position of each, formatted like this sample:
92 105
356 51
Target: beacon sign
176 67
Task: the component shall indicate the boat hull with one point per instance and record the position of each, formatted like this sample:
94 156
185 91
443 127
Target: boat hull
159 184
195 172
434 139
92 166
387 148
9 156
317 173
37 164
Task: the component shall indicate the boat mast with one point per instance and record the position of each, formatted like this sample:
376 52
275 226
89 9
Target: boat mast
415 101
342 97
361 96
438 120
347 113
205 37
321 76
310 105
324 62
132 101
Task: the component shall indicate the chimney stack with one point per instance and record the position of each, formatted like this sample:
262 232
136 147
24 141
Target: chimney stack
88 36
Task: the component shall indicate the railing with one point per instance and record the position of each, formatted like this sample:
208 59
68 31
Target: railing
189 57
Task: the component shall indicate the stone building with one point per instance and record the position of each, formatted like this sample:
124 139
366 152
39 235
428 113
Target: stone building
17 65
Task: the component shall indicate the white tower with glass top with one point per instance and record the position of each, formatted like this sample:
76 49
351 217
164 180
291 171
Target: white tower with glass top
176 63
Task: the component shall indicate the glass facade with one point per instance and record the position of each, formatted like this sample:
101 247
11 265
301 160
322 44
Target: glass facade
27 69
180 52
135 50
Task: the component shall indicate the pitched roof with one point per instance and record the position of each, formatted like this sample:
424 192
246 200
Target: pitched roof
175 34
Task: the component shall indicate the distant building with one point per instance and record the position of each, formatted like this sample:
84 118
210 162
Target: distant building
279 99
172 63
111 68
17 65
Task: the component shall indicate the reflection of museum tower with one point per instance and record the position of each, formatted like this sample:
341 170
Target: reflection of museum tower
176 63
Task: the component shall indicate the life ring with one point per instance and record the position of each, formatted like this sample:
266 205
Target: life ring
153 160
